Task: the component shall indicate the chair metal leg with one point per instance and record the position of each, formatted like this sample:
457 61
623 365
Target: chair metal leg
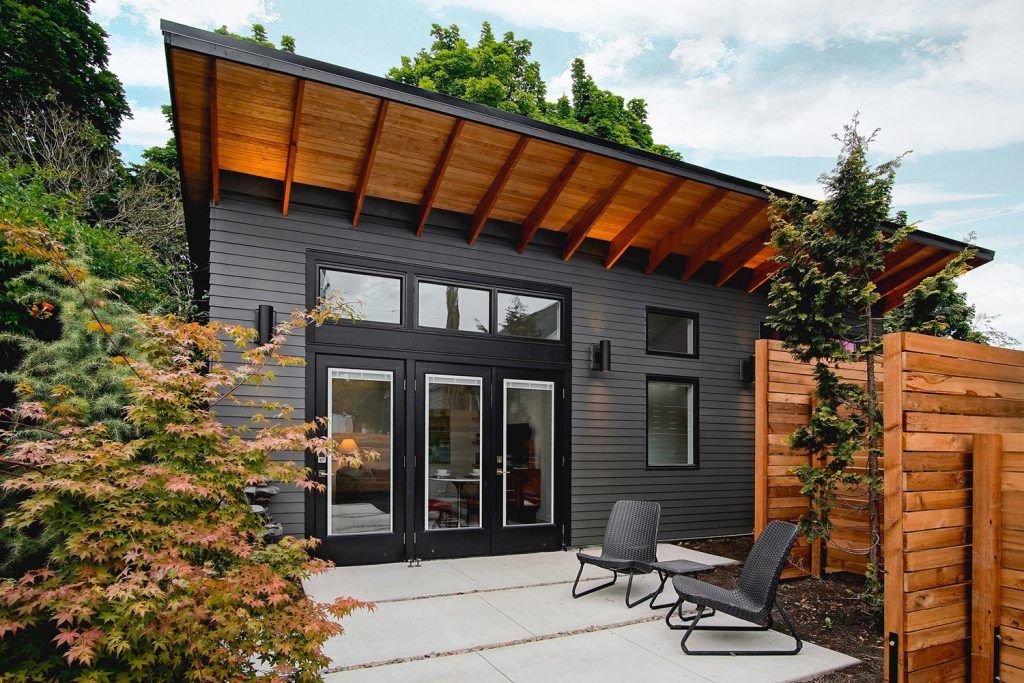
629 587
683 619
615 577
700 614
655 594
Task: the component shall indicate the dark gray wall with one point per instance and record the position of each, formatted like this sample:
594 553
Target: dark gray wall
258 256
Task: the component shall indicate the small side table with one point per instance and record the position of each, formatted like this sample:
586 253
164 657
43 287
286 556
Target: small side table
670 568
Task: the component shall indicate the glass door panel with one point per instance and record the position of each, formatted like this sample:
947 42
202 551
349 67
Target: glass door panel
361 406
359 514
454 433
528 452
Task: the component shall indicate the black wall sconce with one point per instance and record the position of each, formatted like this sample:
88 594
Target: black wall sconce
747 370
264 323
601 356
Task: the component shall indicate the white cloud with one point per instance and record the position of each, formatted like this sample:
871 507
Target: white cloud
147 127
904 194
139 63
606 59
996 289
935 76
945 219
235 14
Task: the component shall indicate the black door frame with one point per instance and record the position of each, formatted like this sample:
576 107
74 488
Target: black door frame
370 547
410 345
532 538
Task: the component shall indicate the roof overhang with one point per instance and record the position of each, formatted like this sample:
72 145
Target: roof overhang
244 108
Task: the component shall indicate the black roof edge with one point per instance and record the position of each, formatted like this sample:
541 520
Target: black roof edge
249 53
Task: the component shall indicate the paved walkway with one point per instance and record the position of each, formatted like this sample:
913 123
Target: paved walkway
513 618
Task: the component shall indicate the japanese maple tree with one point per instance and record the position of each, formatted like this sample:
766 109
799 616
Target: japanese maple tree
159 570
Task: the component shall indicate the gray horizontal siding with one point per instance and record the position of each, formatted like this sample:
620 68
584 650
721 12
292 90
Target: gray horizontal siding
258 257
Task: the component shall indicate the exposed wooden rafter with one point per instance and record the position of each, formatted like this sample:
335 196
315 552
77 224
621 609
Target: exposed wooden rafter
761 275
293 145
897 259
430 194
667 243
709 247
214 134
554 191
622 241
592 215
740 256
490 198
368 157
894 287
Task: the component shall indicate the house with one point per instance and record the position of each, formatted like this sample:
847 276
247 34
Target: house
548 322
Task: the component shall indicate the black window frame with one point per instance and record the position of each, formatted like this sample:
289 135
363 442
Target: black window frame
690 315
516 291
432 340
675 379
377 272
455 282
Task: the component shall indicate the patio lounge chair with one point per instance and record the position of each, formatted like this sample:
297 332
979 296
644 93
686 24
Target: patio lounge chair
752 599
630 545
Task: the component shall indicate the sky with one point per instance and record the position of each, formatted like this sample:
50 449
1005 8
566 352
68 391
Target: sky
755 88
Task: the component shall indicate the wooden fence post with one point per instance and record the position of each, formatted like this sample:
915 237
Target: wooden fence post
892 536
986 563
760 435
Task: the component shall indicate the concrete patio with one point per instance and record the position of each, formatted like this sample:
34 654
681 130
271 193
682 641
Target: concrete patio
513 618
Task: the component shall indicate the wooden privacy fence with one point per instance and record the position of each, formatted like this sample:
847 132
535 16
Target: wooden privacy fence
954 510
953 535
783 387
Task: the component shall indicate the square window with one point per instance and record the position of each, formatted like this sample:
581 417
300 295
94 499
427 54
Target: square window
672 333
533 317
373 298
671 422
449 307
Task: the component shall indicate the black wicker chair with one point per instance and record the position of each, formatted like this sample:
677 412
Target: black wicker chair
630 545
752 599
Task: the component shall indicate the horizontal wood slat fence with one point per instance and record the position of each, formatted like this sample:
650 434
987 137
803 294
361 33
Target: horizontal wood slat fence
954 506
953 532
783 387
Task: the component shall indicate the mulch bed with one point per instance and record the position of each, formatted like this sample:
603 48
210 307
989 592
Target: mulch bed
826 612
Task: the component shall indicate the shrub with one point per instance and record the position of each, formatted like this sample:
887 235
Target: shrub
159 570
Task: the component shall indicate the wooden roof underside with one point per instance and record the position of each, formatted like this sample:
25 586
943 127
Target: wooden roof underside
237 117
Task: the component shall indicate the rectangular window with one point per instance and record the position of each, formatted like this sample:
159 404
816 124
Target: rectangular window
373 298
449 307
672 333
532 317
671 429
360 405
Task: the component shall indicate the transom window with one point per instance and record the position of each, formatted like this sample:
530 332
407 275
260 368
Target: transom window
452 307
671 422
671 333
533 317
372 297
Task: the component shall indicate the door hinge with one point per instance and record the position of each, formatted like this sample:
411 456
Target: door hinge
563 392
405 385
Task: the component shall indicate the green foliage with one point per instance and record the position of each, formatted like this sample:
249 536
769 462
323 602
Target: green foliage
821 302
937 306
158 569
53 48
500 74
258 35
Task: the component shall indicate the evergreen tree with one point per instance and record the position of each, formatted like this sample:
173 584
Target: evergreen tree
821 302
258 35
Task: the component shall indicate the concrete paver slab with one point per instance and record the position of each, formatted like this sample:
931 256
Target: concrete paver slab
600 656
468 667
419 627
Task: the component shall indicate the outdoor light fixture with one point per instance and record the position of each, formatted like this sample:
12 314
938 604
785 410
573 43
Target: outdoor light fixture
264 323
747 370
602 356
